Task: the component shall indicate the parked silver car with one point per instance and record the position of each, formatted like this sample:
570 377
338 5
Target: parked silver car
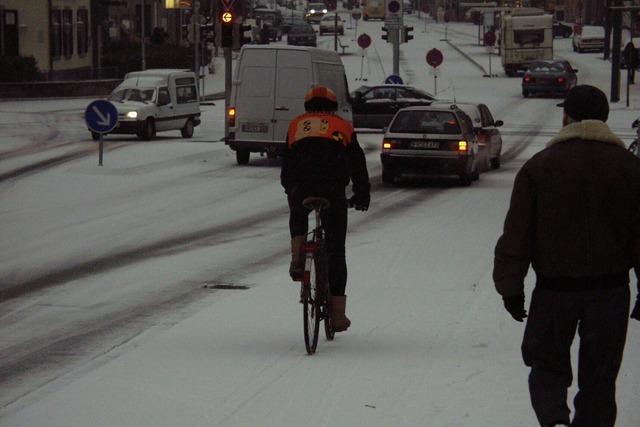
430 141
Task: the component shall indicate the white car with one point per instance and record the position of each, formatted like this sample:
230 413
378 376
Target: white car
328 24
156 100
591 38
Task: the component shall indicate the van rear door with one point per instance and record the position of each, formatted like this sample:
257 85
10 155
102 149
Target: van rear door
254 99
293 82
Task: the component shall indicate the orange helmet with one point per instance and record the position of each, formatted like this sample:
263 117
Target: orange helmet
320 98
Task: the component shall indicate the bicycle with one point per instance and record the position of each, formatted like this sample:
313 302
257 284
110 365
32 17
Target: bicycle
315 292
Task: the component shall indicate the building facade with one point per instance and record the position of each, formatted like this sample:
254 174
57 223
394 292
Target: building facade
57 33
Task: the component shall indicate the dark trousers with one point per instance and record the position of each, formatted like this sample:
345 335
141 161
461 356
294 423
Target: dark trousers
334 221
600 317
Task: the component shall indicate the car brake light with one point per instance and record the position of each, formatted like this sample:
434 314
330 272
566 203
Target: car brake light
462 145
231 115
528 79
561 80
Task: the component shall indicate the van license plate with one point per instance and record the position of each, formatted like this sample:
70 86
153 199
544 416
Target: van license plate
255 127
425 144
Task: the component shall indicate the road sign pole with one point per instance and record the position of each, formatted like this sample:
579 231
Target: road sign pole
100 149
435 85
490 55
396 51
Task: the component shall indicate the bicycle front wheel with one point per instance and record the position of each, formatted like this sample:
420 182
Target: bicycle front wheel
311 307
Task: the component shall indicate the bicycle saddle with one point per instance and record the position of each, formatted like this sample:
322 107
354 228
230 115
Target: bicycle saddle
314 203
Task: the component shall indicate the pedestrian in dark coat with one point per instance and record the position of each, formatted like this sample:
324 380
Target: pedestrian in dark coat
575 218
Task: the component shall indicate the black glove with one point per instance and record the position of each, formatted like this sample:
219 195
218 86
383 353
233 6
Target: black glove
515 306
360 201
635 313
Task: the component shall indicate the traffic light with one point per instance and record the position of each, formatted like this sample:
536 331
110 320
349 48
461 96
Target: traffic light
226 24
385 35
407 34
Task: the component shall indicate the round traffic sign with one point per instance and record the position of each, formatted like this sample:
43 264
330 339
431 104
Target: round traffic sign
394 79
227 17
489 38
356 14
101 116
393 6
364 41
434 57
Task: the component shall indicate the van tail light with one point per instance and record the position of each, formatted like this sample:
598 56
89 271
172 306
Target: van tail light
462 146
231 116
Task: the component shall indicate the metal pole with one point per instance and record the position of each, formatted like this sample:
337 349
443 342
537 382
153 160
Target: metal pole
100 149
142 30
396 51
227 89
335 29
607 31
615 56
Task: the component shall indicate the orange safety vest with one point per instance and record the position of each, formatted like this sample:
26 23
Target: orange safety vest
319 125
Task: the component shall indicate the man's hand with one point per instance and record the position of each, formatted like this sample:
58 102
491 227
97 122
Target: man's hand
360 202
515 306
635 313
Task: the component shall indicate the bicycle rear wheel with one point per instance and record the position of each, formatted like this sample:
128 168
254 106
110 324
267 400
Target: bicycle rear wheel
325 292
311 306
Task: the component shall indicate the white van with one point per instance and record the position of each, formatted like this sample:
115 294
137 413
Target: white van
156 100
268 90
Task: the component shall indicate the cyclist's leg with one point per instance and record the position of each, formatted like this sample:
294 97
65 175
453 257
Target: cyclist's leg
335 225
298 226
335 221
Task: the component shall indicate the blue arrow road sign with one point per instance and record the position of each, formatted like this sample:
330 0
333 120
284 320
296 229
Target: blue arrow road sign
394 79
101 116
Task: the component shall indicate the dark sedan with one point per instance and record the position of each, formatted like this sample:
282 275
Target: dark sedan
302 34
554 77
375 106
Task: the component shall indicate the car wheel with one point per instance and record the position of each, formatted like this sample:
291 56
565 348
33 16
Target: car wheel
187 130
242 157
466 179
95 136
525 93
388 176
495 163
148 130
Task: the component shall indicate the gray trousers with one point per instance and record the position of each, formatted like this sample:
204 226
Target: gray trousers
601 318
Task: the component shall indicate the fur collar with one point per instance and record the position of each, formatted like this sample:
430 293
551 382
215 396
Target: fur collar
593 130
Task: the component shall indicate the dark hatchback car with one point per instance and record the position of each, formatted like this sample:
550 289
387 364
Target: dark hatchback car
430 141
561 30
302 34
375 106
486 130
554 77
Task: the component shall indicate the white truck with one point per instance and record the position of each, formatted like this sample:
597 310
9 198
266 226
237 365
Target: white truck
525 38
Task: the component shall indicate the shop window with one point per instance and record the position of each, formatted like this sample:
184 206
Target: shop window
56 33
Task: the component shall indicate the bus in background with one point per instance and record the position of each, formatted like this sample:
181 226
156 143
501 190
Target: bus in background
373 9
524 39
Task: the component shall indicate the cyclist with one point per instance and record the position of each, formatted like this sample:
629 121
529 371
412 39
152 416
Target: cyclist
322 155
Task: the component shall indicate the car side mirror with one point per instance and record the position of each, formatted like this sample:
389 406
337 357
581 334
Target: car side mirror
636 123
575 71
498 123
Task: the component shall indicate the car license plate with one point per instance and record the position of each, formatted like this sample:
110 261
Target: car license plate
255 127
425 144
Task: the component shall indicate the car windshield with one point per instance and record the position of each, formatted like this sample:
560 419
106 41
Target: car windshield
317 7
593 31
419 121
302 28
546 67
133 94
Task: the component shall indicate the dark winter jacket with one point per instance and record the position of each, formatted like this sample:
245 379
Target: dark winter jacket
574 213
323 147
